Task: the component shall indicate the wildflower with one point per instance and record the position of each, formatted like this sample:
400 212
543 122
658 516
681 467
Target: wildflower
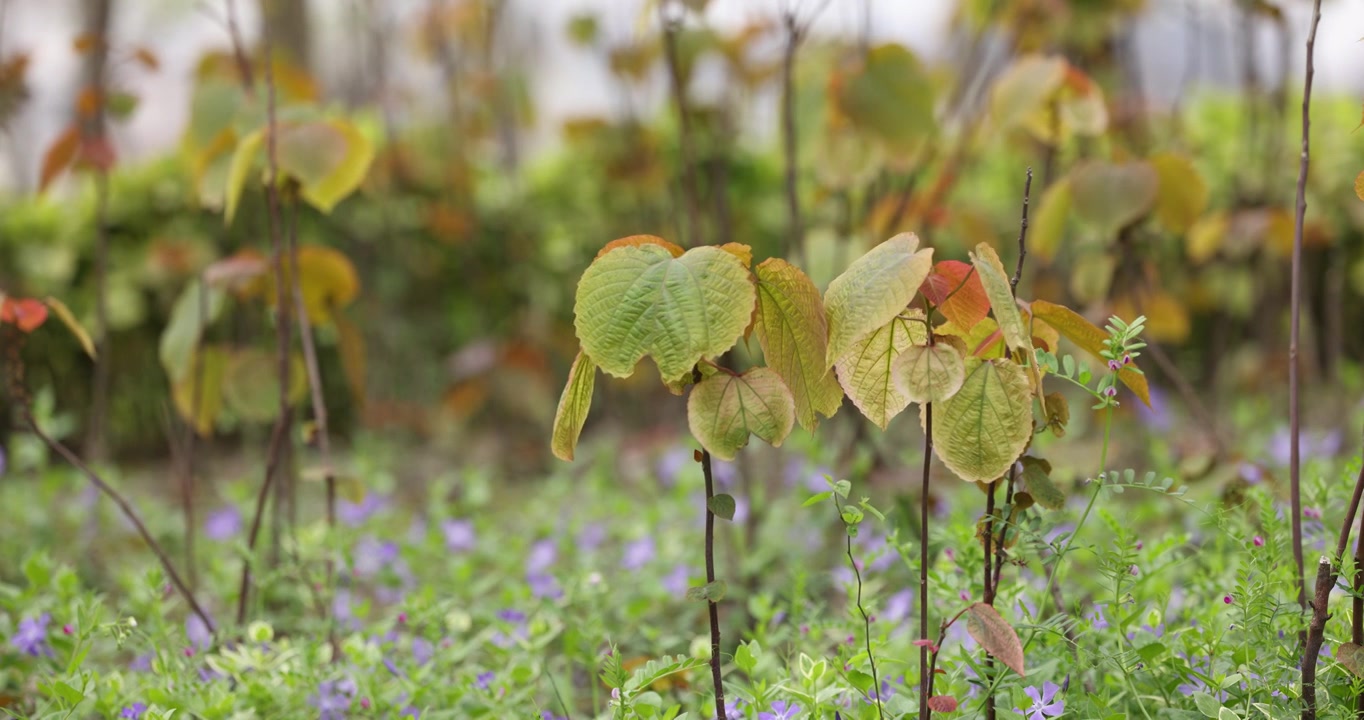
1044 704
899 605
733 710
402 618
459 535
1228 599
31 639
422 651
1258 541
198 633
67 629
1114 365
591 537
1110 391
134 711
333 698
1097 618
676 581
372 555
223 523
547 715
544 586
780 711
484 680
355 514
410 711
638 553
542 554
365 703
1133 570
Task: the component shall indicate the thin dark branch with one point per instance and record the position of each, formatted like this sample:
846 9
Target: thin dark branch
925 674
1357 605
866 622
238 51
989 579
127 510
1294 402
715 664
1022 236
796 230
677 83
1004 526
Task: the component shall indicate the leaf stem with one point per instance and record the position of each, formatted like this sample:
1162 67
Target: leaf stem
715 663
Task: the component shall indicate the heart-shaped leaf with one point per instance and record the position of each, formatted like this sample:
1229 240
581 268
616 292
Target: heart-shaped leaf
1183 196
929 373
889 94
979 432
1024 89
723 410
793 332
574 404
995 635
954 287
1109 196
1352 657
867 371
872 291
637 301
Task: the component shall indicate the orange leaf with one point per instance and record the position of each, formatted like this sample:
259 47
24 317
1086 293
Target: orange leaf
147 58
955 288
59 156
26 313
637 241
85 42
995 635
1088 337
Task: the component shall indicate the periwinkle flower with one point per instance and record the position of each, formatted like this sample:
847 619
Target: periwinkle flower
1044 703
484 680
198 633
780 711
591 537
355 514
459 535
638 553
676 582
333 698
223 523
542 554
422 650
31 637
544 586
134 711
1096 616
373 555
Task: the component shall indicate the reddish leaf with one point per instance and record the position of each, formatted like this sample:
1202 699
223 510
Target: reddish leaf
59 156
942 703
638 240
97 153
26 313
995 635
955 288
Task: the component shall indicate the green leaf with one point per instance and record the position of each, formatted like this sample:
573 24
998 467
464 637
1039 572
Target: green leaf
329 159
793 332
929 373
996 282
1183 196
1037 479
205 396
867 371
710 592
817 498
1207 705
979 432
890 95
723 410
574 404
872 291
243 160
1109 196
637 301
77 330
185 328
1048 227
1024 89
995 635
1090 338
1227 713
250 384
722 505
71 696
746 656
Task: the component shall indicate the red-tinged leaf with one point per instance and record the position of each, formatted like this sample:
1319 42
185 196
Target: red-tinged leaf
942 703
638 240
147 58
1359 185
25 313
955 288
59 156
995 635
1088 337
98 153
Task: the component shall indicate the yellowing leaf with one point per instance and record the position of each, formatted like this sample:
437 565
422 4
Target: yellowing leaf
638 240
1025 88
1109 196
1089 338
187 322
982 341
573 407
243 160
63 313
202 390
1167 320
1205 237
996 282
929 373
637 301
983 429
1091 276
250 383
328 158
793 332
866 372
998 638
59 156
1183 196
1359 186
741 251
1049 225
723 410
873 290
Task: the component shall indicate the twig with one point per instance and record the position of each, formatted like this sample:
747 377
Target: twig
866 619
690 191
127 510
1022 236
925 673
238 51
990 711
1294 402
715 664
1357 606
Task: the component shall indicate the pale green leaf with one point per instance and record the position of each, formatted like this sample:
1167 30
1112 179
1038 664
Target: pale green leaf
1048 227
573 406
929 373
996 282
198 395
793 332
250 383
243 160
68 319
1183 196
979 432
328 158
867 372
872 291
723 410
1109 196
187 322
637 301
1024 89
889 94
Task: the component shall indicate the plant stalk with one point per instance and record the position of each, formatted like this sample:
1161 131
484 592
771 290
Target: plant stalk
925 674
715 663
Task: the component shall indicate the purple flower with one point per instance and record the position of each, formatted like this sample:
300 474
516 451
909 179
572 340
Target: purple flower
484 680
898 606
547 715
670 464
410 711
1044 703
31 638
734 710
1096 616
134 711
591 537
333 698
223 523
511 616
198 633
542 554
422 650
676 581
372 555
459 535
638 553
544 586
780 711
355 514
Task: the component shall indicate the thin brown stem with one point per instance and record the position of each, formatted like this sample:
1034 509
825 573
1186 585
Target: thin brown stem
1022 236
1294 401
677 83
717 677
796 230
1357 606
925 673
239 51
989 580
866 621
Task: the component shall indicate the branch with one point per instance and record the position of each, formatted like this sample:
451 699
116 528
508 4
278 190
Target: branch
690 191
1022 237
